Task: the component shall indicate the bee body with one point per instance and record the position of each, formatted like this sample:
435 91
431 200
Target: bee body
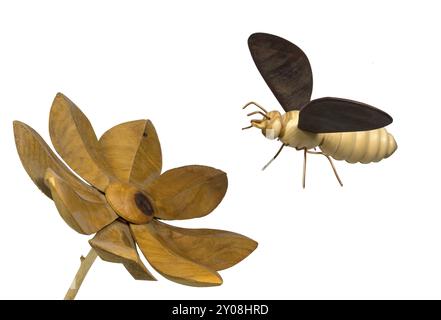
360 146
294 137
342 129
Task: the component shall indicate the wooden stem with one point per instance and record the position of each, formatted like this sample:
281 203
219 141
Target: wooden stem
86 263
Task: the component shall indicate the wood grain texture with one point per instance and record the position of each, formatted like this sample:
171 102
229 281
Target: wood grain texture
114 243
133 151
326 115
122 198
215 249
75 141
81 215
36 157
169 263
85 265
188 192
284 67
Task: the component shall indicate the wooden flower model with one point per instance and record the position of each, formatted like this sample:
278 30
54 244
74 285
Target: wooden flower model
128 197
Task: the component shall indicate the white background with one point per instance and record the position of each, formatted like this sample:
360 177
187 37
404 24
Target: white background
186 66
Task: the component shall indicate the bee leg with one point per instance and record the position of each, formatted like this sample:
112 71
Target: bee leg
305 152
333 168
332 165
278 152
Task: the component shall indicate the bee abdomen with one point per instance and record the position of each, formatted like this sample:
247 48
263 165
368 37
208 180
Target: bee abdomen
361 146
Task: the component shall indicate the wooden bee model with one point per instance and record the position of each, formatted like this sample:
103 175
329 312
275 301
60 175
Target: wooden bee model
341 128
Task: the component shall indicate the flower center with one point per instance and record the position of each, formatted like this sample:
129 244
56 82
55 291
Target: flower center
130 203
143 204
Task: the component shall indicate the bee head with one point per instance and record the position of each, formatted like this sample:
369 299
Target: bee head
270 124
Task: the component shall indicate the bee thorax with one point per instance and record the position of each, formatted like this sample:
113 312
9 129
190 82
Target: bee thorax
295 137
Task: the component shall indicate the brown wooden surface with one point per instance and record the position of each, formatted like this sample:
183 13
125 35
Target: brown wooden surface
133 193
188 192
133 151
327 115
284 67
114 243
75 141
36 157
122 198
83 216
168 262
85 265
216 249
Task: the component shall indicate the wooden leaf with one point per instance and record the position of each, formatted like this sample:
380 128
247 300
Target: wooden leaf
114 243
188 192
75 141
132 151
216 249
83 216
168 262
36 157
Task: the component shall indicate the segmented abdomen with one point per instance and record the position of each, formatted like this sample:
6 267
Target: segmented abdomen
361 146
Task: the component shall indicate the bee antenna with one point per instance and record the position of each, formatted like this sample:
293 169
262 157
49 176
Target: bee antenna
259 112
256 104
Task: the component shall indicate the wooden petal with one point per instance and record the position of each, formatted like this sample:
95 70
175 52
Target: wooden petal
188 192
216 249
132 151
75 141
115 243
36 157
81 215
169 263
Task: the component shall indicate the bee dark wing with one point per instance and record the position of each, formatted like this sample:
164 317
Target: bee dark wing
341 115
284 67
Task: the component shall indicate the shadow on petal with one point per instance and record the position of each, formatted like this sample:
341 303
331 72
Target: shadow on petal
133 151
169 263
114 243
81 215
36 157
188 192
75 141
216 249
